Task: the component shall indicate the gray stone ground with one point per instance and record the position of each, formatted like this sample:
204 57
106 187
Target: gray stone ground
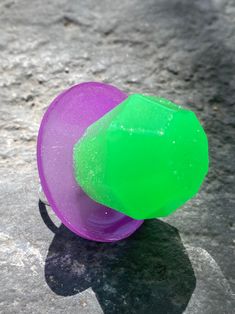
183 50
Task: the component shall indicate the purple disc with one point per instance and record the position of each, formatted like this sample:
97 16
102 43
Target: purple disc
63 124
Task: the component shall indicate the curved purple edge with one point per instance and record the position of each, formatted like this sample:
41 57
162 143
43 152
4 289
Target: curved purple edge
64 122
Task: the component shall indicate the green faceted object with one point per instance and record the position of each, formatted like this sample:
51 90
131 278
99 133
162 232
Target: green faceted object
145 158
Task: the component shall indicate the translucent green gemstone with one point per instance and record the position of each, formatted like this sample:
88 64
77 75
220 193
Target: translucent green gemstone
145 158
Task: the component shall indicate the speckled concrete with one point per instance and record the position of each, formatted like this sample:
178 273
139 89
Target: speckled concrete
183 50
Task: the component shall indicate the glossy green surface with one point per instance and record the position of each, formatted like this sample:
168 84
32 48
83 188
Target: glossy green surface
145 158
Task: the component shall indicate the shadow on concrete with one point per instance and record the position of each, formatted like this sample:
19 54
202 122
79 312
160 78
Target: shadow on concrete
211 59
149 272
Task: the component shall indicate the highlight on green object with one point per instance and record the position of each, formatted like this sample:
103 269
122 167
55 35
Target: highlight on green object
145 158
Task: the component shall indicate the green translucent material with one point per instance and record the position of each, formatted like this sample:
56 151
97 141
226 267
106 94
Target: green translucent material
145 158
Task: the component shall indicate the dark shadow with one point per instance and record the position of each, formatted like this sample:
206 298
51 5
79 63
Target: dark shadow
149 272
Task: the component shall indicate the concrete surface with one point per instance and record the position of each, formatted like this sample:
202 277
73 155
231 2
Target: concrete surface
183 50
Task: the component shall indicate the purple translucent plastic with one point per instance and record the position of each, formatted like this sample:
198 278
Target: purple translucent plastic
63 124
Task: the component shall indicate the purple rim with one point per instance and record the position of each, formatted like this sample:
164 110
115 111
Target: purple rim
124 226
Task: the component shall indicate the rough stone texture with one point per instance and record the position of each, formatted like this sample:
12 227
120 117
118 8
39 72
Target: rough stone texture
182 50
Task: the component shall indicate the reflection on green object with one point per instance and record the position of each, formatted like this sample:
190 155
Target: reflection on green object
145 158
